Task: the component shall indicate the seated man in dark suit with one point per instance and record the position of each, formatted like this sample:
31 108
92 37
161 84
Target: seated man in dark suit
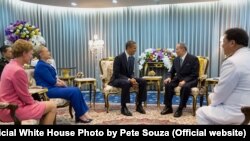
123 77
184 73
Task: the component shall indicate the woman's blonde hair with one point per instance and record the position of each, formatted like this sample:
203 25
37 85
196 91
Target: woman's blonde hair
20 46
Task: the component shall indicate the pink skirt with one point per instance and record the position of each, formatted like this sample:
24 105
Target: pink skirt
34 111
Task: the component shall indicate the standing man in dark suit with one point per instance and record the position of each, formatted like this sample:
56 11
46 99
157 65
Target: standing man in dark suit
123 77
184 73
6 52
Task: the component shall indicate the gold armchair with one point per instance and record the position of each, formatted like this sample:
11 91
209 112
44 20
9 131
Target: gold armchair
106 69
16 121
200 89
246 111
59 101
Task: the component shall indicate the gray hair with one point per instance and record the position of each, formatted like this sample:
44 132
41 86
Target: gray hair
183 45
37 51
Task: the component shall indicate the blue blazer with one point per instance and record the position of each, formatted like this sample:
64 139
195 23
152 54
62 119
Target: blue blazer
45 75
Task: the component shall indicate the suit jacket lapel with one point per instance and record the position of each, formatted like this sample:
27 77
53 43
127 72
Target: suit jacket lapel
185 61
125 61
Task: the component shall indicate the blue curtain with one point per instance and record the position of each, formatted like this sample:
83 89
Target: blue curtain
67 30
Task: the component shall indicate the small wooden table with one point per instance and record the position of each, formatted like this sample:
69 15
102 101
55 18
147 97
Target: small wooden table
212 82
68 79
41 92
155 80
87 81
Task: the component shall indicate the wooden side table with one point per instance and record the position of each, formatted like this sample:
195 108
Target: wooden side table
155 80
41 92
212 82
78 82
68 79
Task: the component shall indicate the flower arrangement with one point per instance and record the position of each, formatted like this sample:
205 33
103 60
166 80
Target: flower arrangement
23 30
157 55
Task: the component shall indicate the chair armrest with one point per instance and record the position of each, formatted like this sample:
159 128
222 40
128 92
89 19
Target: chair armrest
102 77
12 108
246 111
203 77
35 87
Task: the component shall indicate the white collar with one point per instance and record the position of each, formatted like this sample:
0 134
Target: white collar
127 55
184 56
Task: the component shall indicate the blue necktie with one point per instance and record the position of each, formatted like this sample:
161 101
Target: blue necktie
131 64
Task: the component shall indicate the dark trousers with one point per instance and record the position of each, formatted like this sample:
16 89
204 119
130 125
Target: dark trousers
184 93
125 85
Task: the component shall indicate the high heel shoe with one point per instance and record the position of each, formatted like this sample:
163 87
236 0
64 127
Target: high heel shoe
78 120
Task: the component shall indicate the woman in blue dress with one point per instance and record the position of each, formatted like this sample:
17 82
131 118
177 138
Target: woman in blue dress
45 76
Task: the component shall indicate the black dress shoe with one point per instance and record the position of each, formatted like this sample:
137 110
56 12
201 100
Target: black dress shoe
140 109
178 113
125 111
166 110
78 120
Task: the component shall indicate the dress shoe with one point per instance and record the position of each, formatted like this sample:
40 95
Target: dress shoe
178 113
166 110
125 111
78 120
140 109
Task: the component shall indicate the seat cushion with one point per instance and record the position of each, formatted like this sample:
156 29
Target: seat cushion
24 122
194 91
59 101
111 89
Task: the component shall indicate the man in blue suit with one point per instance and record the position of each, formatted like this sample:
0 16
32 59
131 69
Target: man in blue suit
123 77
184 73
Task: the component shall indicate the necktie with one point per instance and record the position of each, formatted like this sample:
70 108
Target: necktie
130 63
181 61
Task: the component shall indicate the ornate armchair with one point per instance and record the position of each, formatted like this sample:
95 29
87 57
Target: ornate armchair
59 101
16 121
106 69
200 89
246 111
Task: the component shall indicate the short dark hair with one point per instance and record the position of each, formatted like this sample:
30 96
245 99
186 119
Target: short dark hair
129 43
4 48
238 35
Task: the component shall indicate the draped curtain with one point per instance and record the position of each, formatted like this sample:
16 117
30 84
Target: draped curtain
68 30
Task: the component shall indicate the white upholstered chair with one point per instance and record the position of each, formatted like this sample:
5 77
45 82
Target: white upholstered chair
59 101
106 68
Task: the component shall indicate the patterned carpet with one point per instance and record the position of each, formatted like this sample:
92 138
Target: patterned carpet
114 117
151 98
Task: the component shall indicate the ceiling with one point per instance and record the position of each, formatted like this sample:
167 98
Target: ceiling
108 3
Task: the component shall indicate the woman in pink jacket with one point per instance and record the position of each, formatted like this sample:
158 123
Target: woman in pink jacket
14 89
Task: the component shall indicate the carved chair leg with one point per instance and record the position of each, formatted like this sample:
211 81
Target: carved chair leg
94 98
246 112
107 102
145 103
201 100
194 104
70 110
